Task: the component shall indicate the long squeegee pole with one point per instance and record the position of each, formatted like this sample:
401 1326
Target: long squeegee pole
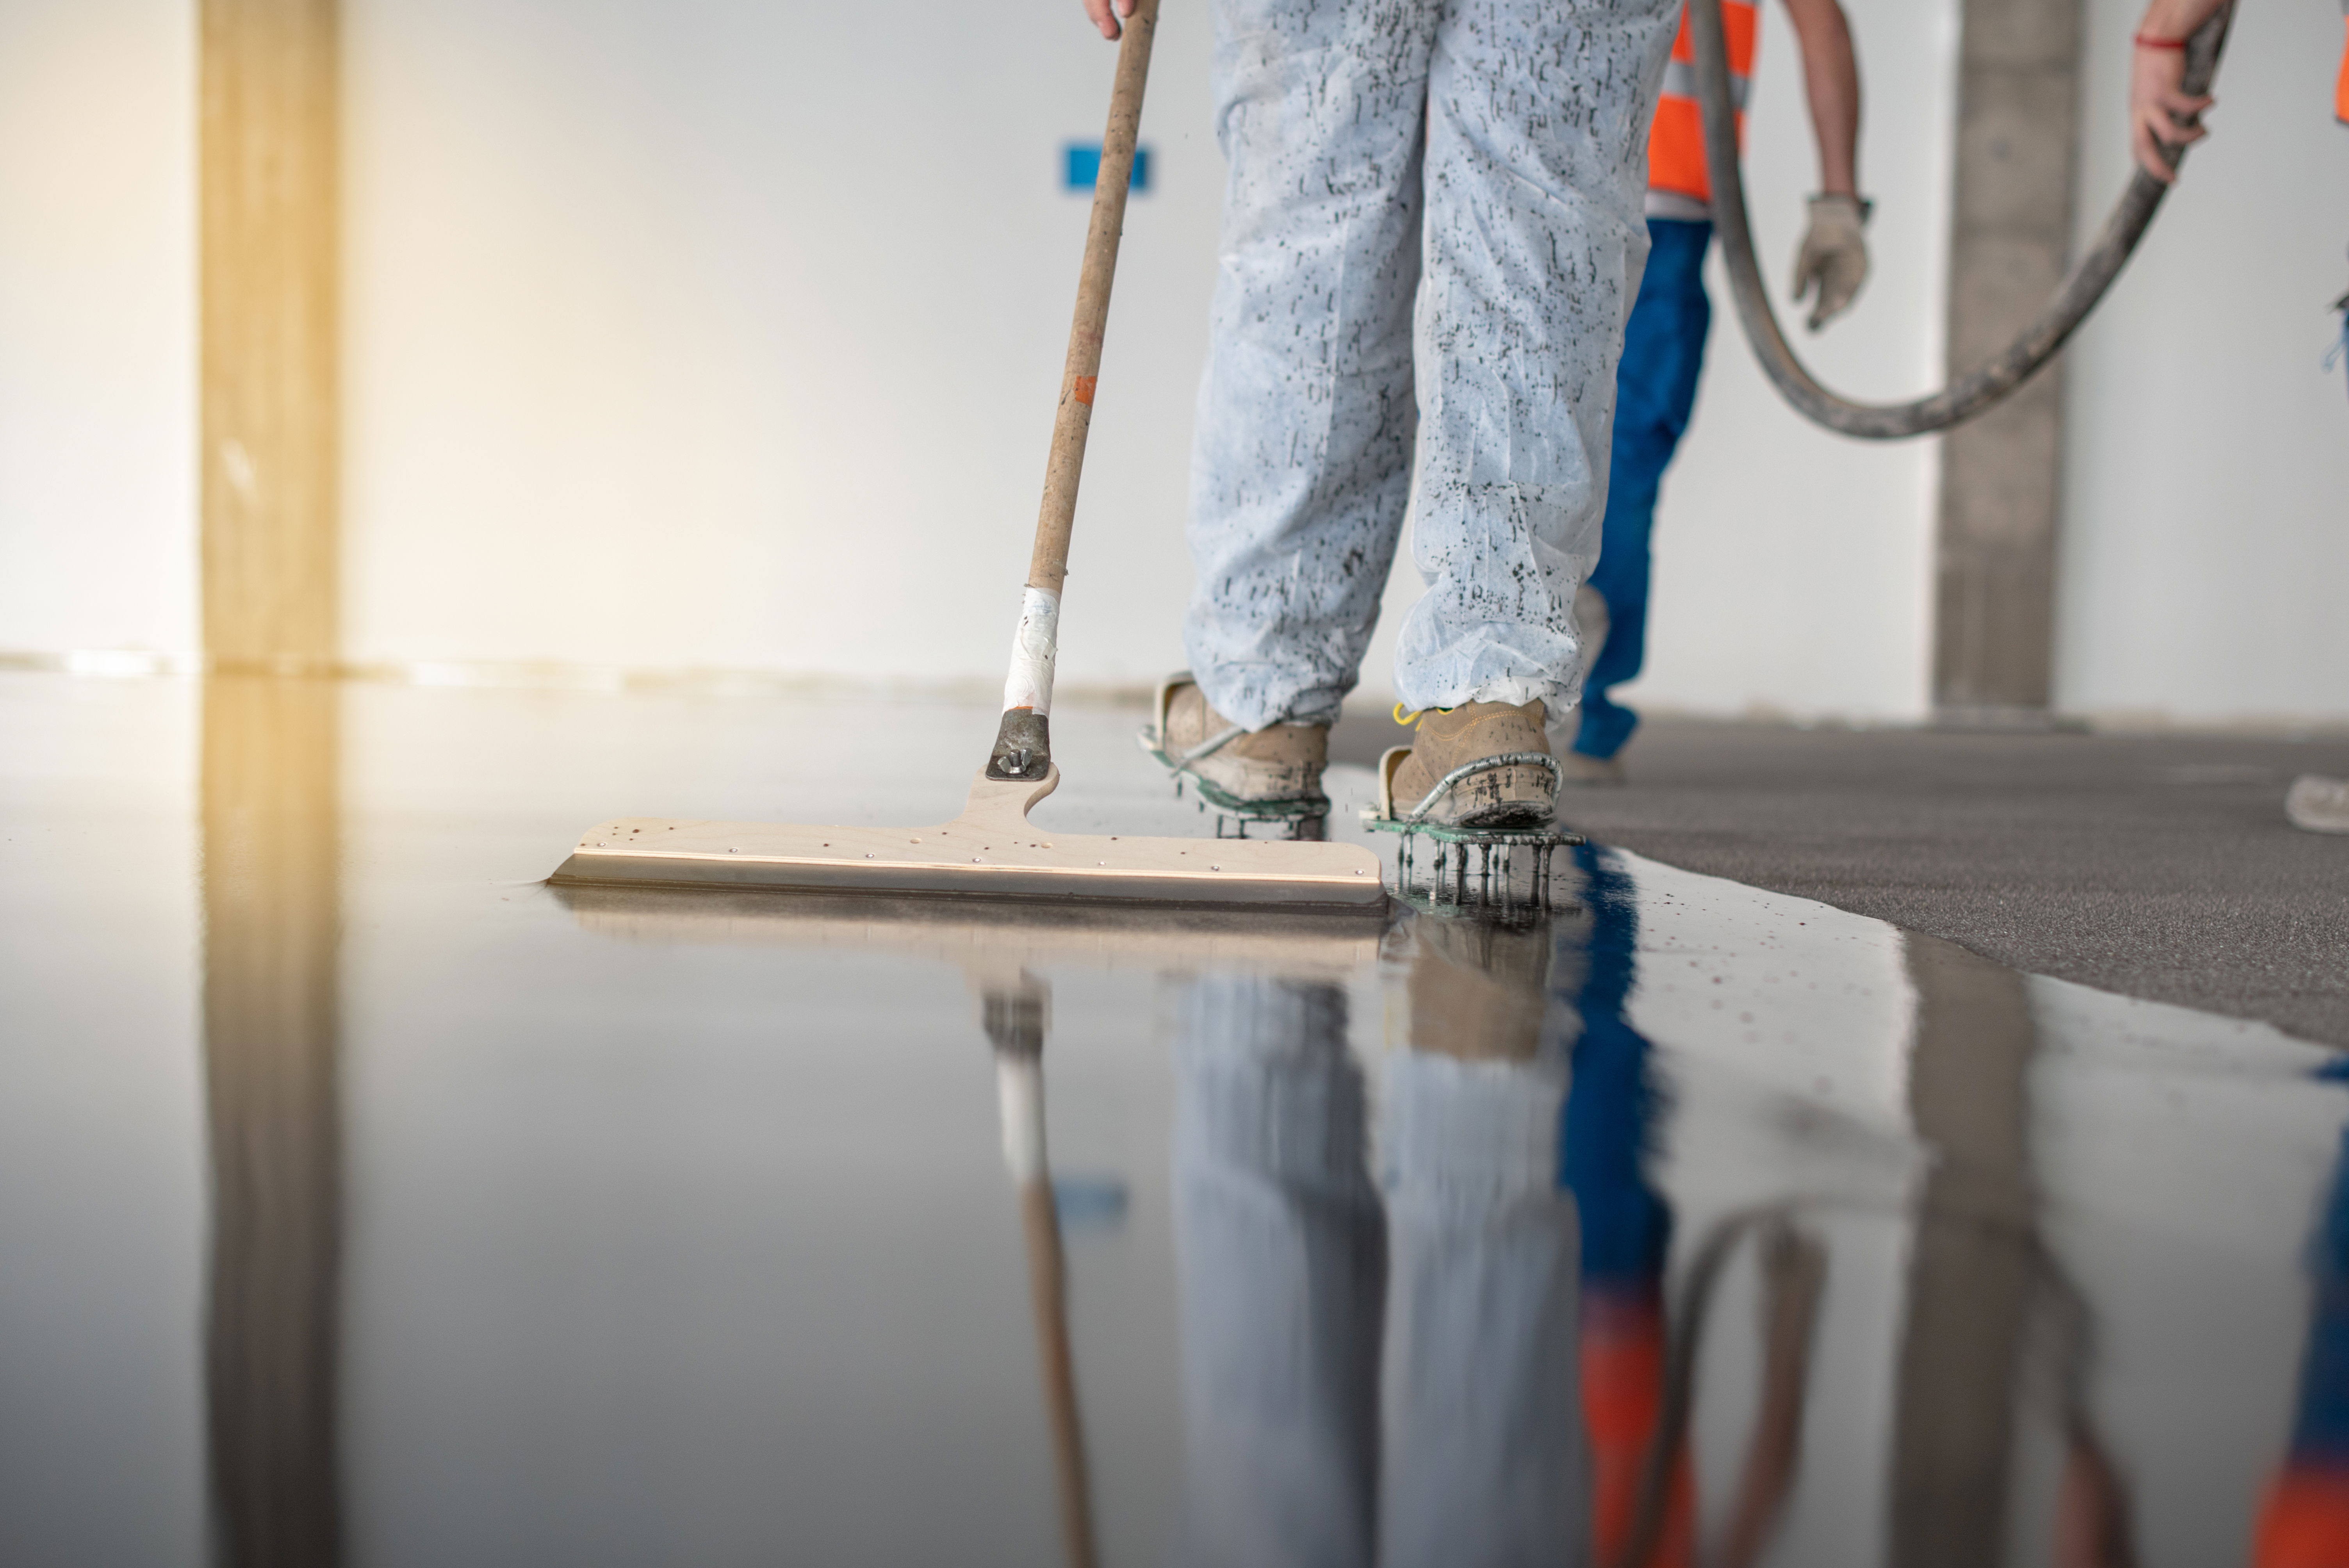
2078 293
1023 744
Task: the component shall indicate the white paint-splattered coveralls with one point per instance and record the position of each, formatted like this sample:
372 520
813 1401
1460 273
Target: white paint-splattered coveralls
1433 229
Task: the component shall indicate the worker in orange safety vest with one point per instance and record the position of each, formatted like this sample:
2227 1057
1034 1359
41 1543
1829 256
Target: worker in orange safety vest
1663 342
2163 115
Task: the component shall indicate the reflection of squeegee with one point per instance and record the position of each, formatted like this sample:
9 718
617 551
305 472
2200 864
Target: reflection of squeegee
990 850
986 938
1020 1086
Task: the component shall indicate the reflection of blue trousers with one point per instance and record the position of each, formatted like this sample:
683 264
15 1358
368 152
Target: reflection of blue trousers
2320 1431
1655 387
1608 1133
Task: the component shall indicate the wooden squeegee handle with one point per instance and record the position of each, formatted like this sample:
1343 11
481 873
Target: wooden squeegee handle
1050 564
1023 742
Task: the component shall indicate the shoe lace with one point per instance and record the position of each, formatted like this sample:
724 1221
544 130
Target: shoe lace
1413 715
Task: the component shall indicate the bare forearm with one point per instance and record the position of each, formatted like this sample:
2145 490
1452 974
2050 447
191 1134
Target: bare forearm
1831 80
2176 18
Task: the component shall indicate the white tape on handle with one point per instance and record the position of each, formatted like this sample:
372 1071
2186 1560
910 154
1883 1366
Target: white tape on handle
1033 648
1020 1095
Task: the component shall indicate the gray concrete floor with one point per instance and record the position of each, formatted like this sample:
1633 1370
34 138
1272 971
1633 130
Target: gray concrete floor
359 1190
2158 866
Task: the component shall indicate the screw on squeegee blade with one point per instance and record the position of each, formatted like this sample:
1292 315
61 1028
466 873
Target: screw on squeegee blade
1023 746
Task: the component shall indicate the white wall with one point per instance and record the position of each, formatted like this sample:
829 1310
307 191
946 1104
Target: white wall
721 333
725 335
98 272
2207 513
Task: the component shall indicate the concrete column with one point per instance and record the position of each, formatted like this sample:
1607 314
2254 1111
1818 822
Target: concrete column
268 151
268 148
2001 475
1974 1270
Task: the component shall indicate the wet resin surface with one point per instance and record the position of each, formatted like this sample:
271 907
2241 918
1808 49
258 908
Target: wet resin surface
364 1200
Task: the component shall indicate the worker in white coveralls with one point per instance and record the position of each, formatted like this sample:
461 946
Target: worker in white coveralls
1432 232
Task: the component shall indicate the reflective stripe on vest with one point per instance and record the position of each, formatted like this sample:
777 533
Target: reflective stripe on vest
1676 147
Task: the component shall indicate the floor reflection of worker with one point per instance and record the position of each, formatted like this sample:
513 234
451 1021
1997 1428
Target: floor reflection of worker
1379 1363
1664 343
1609 1125
2304 1520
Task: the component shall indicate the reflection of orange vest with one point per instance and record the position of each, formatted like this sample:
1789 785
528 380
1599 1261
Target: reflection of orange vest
1676 147
2304 1523
1623 1401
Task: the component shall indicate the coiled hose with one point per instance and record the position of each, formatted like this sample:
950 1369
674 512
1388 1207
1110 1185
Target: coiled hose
2078 293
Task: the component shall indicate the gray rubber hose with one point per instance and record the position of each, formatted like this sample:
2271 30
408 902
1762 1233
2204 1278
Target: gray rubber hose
2085 284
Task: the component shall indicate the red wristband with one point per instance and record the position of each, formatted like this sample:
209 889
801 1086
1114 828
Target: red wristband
2143 42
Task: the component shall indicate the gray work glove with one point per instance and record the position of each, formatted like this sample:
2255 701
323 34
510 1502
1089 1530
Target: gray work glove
1834 257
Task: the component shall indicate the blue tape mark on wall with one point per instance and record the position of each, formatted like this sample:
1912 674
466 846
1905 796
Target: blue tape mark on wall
1082 167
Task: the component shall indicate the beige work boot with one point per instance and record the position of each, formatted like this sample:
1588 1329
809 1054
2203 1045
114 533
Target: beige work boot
1232 766
1506 777
1479 989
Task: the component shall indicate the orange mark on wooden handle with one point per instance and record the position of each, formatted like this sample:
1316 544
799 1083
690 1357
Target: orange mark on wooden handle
1085 384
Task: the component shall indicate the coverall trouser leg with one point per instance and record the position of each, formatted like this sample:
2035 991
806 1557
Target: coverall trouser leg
1431 237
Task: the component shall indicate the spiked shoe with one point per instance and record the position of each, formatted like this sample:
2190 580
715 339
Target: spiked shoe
1236 768
1483 765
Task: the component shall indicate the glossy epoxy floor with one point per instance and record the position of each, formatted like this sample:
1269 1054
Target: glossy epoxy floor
363 1201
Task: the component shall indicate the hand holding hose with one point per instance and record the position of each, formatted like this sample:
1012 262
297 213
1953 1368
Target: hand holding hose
2163 117
1834 257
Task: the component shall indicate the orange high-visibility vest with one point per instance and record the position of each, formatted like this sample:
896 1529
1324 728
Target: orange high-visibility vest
1676 147
2340 88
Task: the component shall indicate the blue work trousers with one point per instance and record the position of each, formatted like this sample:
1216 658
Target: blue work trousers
1655 388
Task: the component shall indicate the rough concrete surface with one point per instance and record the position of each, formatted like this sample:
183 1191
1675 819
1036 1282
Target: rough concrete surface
2158 866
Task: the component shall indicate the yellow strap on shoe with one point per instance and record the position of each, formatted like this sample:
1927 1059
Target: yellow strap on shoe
1415 714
